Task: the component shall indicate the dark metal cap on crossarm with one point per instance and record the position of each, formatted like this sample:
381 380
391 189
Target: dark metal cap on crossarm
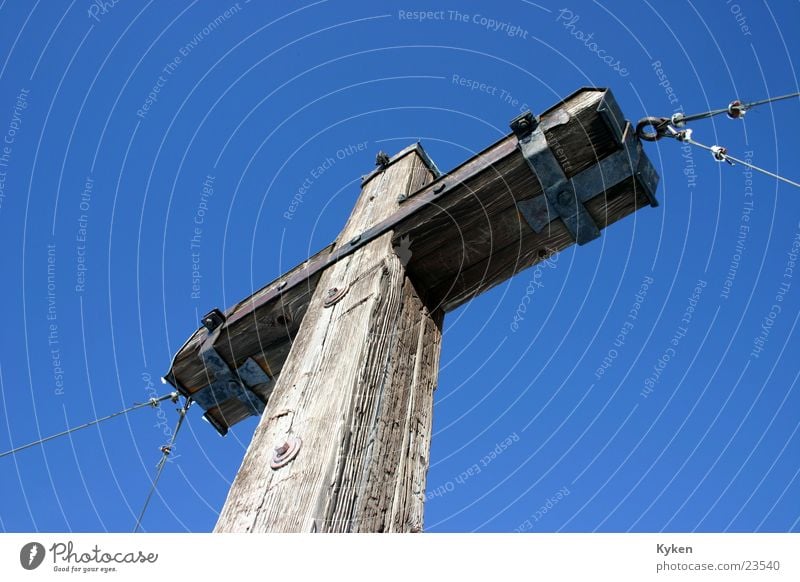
564 197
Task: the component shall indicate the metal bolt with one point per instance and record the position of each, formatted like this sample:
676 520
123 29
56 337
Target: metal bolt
355 239
282 284
334 294
286 452
213 319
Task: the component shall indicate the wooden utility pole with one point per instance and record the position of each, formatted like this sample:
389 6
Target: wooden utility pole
357 389
340 355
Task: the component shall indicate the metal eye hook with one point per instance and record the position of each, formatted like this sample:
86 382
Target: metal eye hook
659 124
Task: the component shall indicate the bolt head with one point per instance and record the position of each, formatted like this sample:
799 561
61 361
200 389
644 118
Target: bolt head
286 452
213 319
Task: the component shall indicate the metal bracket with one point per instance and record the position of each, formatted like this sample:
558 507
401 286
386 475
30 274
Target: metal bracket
564 197
559 193
213 319
228 384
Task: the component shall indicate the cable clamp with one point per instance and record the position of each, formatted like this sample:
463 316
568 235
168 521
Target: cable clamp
736 109
720 154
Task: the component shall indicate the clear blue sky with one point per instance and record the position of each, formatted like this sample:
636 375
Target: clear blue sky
692 424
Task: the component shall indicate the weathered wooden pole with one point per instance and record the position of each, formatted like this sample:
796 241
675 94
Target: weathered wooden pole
356 390
340 355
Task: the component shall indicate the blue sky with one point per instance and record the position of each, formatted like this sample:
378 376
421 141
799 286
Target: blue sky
651 383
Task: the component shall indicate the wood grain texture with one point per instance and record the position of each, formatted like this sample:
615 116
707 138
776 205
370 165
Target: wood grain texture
513 248
461 242
476 238
264 334
357 388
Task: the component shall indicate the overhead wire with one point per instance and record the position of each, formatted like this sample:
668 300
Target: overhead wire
166 450
721 154
670 127
735 109
153 402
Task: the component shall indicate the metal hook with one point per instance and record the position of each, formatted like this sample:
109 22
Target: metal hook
659 124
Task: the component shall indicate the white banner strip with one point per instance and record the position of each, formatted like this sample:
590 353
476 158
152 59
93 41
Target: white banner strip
551 557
